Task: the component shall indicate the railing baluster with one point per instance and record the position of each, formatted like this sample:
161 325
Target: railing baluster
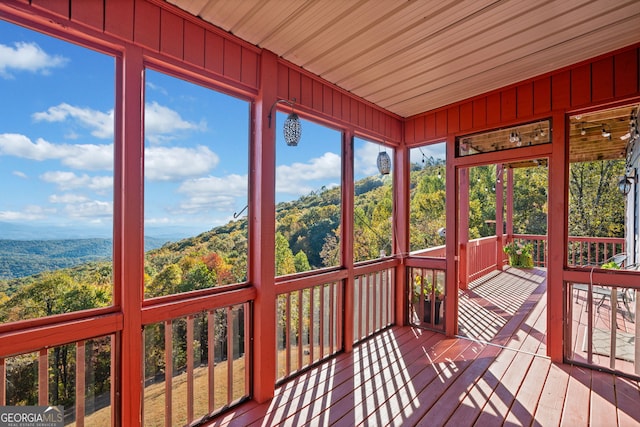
3 382
189 369
321 318
337 287
300 331
331 320
230 358
80 381
287 338
211 359
311 324
168 373
43 377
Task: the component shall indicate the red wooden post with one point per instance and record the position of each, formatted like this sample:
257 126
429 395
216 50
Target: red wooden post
499 213
347 228
80 382
129 229
463 227
558 174
451 238
401 232
262 223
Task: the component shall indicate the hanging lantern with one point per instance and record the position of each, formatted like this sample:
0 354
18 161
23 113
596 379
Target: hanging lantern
384 163
292 130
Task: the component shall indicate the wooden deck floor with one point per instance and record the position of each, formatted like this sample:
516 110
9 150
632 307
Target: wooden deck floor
407 376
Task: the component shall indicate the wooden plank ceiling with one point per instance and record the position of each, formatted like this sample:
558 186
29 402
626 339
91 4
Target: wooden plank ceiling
414 56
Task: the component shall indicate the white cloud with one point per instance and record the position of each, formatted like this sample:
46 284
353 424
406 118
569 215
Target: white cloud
162 123
174 163
366 157
100 123
20 174
67 198
23 56
69 181
30 213
213 193
77 156
290 178
90 209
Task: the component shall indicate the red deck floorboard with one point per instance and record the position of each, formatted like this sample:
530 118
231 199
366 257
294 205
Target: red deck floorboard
407 376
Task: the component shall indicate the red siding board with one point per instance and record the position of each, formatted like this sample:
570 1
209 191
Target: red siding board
419 128
119 18
602 80
346 108
466 116
508 99
88 12
353 114
525 100
147 25
581 85
327 100
317 96
542 96
214 52
409 131
493 108
59 7
626 73
283 81
171 34
377 122
295 87
453 119
441 123
480 112
337 104
194 44
306 91
232 60
430 126
561 90
362 113
368 121
249 72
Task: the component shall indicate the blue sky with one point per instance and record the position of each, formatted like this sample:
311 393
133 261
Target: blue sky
56 145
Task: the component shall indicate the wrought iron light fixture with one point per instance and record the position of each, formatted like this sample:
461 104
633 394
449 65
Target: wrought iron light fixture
384 163
625 183
292 128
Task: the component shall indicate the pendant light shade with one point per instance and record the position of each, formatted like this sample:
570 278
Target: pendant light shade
384 163
292 130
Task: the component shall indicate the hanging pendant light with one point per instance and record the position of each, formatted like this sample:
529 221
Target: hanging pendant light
384 163
292 128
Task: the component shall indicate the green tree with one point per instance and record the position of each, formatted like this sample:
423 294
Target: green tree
284 256
301 262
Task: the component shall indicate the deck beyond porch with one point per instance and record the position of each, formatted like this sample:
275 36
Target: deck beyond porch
408 376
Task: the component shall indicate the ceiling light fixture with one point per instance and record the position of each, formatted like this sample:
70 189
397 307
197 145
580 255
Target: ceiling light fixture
292 127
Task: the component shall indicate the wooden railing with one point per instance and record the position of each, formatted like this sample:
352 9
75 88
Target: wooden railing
593 250
539 244
478 257
373 302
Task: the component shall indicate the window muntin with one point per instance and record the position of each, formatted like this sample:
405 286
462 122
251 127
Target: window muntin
196 186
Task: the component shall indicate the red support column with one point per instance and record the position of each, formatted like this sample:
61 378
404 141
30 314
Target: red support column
129 230
509 227
452 236
346 237
499 214
558 225
262 226
401 229
463 227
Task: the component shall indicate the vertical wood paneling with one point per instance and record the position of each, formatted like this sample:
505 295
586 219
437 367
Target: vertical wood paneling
214 52
493 108
409 131
561 90
362 113
419 128
171 34
509 105
480 112
466 116
232 60
430 126
542 96
368 120
602 80
626 73
353 114
337 104
59 7
346 108
147 25
306 91
317 96
283 81
581 85
524 94
88 12
441 123
453 119
249 73
194 44
119 18
327 100
376 123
